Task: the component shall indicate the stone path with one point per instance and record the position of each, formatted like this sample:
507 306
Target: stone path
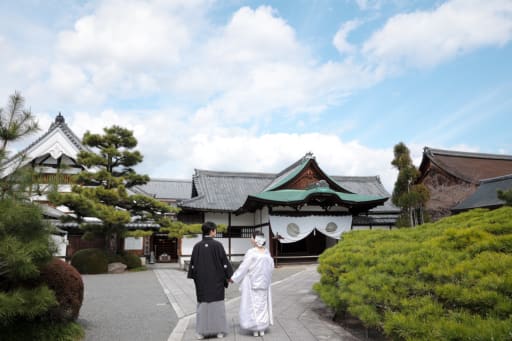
298 313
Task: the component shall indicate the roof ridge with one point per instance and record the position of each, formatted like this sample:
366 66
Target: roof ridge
169 179
355 177
497 178
434 151
229 173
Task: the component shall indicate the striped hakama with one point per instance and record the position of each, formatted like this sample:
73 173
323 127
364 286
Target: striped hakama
211 318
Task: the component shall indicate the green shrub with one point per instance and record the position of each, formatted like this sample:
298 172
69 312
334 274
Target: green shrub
115 258
132 261
43 331
90 261
449 280
68 286
25 247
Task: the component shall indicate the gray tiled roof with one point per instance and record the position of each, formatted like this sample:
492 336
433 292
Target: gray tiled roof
227 191
486 195
166 189
369 185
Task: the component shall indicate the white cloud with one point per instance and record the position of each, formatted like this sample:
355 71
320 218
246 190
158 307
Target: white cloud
368 4
274 152
130 33
173 148
340 38
427 38
255 66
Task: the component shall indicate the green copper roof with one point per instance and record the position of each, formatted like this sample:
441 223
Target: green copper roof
287 176
286 196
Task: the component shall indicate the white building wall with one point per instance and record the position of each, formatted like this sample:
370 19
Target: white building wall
239 247
246 219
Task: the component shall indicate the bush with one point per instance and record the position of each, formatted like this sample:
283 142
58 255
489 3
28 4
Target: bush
90 261
447 280
68 286
43 331
132 261
115 258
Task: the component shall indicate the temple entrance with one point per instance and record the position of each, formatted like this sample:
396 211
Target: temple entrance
164 248
304 250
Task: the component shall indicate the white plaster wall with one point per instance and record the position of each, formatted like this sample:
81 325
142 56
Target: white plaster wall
242 219
217 218
239 247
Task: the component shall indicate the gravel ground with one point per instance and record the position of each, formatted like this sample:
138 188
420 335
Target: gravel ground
130 307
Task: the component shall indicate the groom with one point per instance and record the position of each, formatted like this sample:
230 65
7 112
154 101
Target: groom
210 269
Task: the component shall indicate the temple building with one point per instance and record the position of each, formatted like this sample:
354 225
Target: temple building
302 210
453 176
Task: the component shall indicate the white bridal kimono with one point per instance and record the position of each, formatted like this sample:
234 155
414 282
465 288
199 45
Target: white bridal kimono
254 276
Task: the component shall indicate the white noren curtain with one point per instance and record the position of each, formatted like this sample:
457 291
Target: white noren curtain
292 229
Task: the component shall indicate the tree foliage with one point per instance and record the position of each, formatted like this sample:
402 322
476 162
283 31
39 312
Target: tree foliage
26 301
101 190
505 196
16 122
407 195
449 280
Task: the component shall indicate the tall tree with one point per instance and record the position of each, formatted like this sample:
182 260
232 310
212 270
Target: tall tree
16 122
101 190
407 195
25 244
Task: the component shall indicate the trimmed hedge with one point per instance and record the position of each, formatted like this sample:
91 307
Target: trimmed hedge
132 261
449 280
90 261
68 286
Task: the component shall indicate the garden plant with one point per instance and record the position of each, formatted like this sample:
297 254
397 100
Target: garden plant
448 280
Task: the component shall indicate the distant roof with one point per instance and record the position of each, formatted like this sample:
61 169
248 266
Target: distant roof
291 171
470 167
57 141
318 195
227 191
486 195
165 189
59 123
367 185
224 191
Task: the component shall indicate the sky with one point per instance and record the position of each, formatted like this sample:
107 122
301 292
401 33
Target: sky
253 86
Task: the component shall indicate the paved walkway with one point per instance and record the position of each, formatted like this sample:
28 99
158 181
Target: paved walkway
298 313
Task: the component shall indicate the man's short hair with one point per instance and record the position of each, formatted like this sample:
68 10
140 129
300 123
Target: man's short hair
208 227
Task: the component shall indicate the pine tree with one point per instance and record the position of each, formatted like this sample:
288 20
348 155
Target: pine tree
16 122
25 244
101 190
407 195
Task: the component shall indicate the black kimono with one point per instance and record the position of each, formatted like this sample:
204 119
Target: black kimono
210 269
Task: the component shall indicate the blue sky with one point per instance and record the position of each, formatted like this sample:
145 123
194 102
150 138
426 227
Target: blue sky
252 86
